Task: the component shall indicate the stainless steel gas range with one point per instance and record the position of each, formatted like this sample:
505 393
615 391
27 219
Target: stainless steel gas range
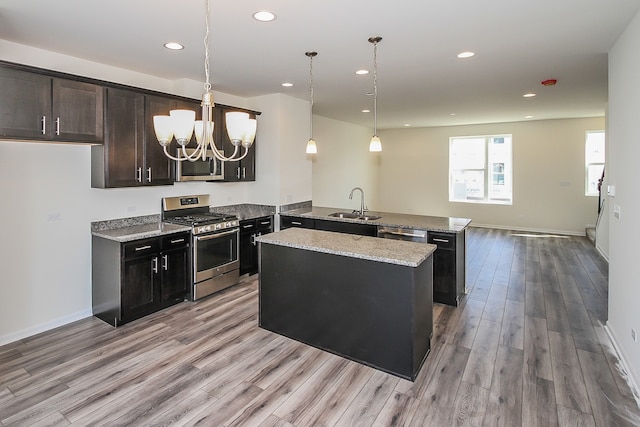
214 242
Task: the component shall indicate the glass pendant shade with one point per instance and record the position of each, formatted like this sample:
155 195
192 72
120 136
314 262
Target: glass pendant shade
164 129
249 132
199 131
375 144
183 122
311 147
236 126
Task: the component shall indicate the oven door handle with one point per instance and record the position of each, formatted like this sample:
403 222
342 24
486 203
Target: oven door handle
214 235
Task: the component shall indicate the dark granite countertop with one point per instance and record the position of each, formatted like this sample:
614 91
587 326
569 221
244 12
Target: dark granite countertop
421 222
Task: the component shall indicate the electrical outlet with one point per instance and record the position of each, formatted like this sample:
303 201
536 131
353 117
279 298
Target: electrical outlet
634 336
617 211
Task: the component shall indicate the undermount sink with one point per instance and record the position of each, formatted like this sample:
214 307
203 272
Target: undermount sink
353 215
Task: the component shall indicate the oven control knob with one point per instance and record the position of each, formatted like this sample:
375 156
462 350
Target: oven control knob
218 226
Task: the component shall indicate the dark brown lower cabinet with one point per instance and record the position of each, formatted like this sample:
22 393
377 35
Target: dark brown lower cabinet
133 279
249 230
448 266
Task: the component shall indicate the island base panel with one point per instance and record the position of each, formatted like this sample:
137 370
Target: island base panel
371 312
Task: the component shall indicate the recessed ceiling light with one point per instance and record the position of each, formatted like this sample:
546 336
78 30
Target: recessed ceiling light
407 125
362 72
529 95
286 84
528 117
264 16
452 114
173 46
366 111
466 54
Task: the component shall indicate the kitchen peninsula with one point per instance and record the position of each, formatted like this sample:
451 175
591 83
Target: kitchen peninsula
361 297
447 233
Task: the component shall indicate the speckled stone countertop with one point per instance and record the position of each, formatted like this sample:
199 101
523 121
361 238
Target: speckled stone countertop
246 211
128 229
389 251
421 222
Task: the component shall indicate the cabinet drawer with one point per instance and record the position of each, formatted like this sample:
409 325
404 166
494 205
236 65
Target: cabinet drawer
141 247
265 224
289 221
442 240
177 240
248 226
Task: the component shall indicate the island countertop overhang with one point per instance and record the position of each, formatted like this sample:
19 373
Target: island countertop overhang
387 219
398 252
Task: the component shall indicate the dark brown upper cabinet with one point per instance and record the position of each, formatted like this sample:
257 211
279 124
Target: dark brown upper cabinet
40 107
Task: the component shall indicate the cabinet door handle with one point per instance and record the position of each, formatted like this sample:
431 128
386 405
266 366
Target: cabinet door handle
57 125
440 240
253 239
248 226
177 241
44 125
149 174
265 222
238 172
165 262
155 265
142 248
139 175
296 223
244 172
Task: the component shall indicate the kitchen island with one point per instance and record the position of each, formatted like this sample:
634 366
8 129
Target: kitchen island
363 298
447 233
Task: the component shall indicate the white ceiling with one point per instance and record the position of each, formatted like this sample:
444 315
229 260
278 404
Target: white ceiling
420 81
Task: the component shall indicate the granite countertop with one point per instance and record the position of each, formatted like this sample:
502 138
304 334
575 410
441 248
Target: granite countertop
246 211
128 229
421 222
389 251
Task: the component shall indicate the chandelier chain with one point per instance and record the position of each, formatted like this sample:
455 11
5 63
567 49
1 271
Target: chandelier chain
207 84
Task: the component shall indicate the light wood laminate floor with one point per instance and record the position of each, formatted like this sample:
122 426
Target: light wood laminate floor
526 347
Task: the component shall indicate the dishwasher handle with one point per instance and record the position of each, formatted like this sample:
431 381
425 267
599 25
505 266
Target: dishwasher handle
402 234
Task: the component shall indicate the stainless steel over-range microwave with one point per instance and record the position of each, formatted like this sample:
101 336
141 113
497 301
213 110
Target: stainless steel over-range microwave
210 169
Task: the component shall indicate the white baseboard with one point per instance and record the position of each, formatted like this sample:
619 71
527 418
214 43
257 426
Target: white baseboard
624 366
43 327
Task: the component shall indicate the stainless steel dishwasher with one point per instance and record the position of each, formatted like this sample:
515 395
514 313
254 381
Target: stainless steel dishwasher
402 233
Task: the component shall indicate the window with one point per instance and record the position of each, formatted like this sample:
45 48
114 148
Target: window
480 169
594 161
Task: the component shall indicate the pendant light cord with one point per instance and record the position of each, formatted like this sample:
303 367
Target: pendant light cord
311 96
375 88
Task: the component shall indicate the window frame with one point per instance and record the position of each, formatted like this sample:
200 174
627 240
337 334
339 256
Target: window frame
488 170
587 164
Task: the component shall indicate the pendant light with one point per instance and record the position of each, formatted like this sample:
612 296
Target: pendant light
181 123
375 144
311 144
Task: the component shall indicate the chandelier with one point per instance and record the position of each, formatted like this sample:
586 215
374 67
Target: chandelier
181 124
375 144
311 144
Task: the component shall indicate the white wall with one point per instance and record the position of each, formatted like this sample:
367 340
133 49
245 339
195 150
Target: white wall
343 161
548 181
46 265
624 173
285 172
